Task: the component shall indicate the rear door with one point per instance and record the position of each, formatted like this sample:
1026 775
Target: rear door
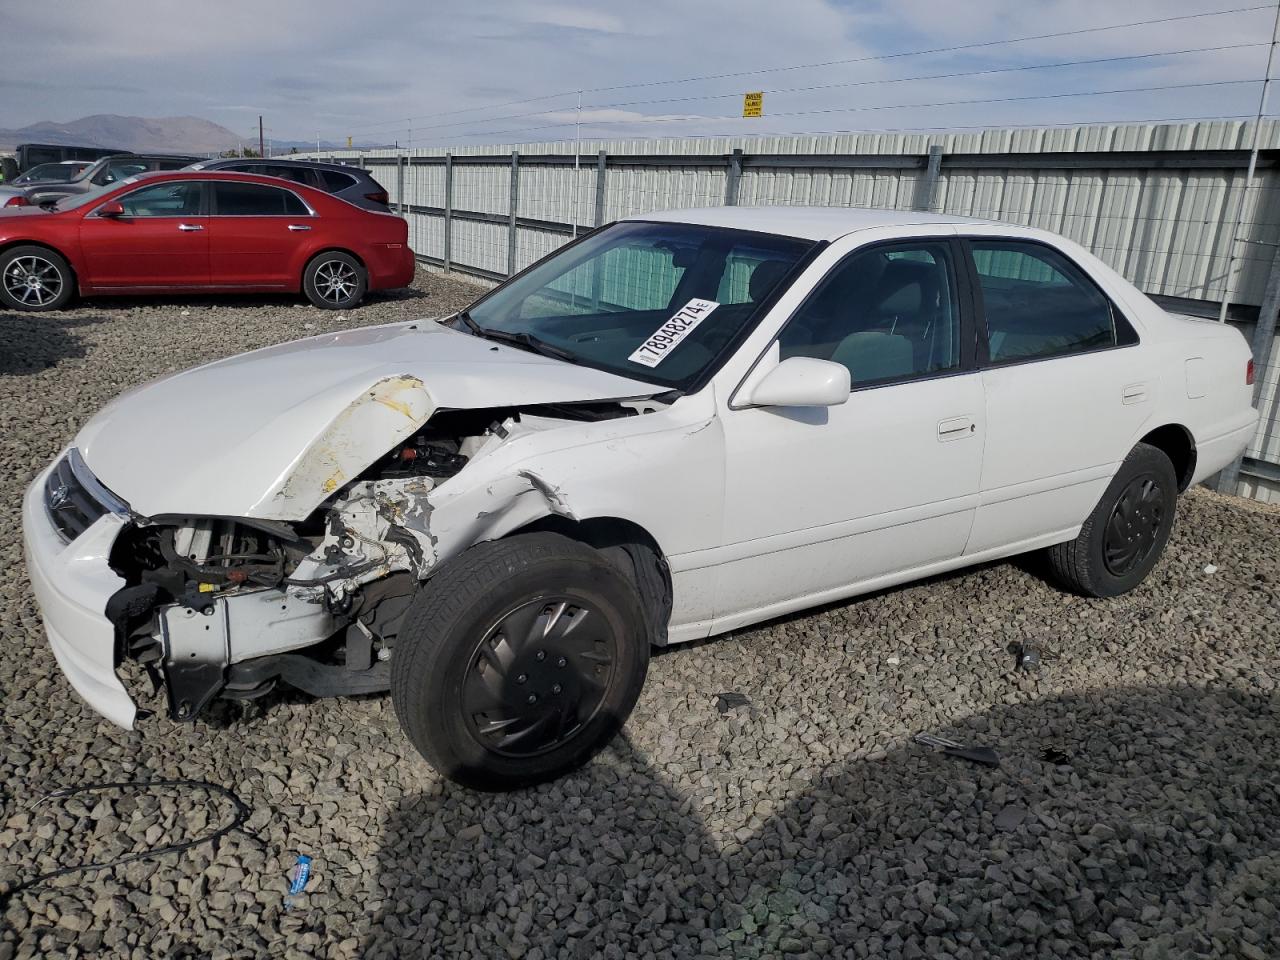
1066 391
254 231
161 241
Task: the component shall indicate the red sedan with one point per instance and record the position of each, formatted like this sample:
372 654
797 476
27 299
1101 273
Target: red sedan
200 231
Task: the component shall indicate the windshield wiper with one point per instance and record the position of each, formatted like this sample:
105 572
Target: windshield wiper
474 327
523 340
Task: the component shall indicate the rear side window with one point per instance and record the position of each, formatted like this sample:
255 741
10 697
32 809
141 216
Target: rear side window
255 200
334 181
120 170
294 174
1039 304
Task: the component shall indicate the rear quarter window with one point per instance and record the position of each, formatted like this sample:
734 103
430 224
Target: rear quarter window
335 181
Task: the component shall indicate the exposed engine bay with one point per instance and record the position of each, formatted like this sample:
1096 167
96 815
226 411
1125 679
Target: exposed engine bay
221 606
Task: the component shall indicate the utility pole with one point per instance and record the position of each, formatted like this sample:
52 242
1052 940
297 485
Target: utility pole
577 154
1248 177
262 149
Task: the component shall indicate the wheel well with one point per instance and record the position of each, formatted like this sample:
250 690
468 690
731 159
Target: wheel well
630 547
320 253
1175 441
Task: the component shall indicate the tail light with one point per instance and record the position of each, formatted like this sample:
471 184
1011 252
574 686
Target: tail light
1248 374
379 196
18 201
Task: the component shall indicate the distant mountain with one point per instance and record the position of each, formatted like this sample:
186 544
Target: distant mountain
145 134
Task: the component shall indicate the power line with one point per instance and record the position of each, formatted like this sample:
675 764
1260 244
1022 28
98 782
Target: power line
955 48
893 106
861 83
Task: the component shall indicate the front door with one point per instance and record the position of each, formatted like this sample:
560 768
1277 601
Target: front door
255 230
822 500
160 242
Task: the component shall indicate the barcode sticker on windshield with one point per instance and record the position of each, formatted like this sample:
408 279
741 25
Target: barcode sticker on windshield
668 336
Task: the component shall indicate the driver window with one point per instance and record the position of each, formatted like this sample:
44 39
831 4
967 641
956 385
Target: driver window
163 200
887 314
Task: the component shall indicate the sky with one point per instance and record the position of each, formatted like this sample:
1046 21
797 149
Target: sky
445 72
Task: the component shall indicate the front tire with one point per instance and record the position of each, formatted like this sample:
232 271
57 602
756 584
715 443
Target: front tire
1123 538
519 660
335 281
34 279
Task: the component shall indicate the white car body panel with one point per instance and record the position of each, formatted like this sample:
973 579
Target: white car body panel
273 428
757 512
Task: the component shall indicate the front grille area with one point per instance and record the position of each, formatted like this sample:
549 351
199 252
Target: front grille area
72 508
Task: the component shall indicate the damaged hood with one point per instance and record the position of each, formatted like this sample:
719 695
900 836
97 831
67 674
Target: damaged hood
272 433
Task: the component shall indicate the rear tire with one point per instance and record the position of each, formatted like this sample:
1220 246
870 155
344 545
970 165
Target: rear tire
35 278
1123 538
519 660
335 281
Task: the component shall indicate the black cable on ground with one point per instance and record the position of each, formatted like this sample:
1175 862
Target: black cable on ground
237 821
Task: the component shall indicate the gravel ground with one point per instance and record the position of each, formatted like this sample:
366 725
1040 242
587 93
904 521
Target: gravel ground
1136 812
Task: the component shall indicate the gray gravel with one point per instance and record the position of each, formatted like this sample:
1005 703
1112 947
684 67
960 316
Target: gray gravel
804 822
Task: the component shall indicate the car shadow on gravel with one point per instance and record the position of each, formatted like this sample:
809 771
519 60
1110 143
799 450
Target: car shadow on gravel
1133 821
30 343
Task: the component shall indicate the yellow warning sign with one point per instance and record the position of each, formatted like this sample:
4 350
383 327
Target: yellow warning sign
348 143
753 104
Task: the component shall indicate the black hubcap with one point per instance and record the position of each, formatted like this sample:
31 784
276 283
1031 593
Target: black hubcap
538 675
1134 526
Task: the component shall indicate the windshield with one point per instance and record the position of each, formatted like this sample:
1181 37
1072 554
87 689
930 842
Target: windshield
51 172
659 302
80 199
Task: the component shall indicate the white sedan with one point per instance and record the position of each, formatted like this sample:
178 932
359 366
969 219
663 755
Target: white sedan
676 426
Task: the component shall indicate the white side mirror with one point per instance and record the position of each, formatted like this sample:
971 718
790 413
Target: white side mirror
803 382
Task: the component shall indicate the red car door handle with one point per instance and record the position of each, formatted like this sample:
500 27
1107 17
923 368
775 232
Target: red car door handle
188 227
298 227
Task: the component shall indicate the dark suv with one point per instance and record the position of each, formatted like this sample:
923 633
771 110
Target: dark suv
347 183
104 172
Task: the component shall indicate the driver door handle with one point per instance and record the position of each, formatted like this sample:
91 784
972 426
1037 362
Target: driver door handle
298 227
189 227
955 428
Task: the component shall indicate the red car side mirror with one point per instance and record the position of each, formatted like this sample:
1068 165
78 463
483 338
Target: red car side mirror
113 209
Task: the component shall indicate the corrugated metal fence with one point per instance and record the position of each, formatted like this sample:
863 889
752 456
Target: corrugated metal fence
1159 203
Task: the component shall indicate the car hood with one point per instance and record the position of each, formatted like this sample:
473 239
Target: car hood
272 433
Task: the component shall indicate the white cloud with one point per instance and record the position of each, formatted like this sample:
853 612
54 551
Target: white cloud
310 65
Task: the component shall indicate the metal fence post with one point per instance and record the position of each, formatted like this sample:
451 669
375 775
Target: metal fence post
1263 337
448 210
515 202
927 188
731 180
600 186
400 182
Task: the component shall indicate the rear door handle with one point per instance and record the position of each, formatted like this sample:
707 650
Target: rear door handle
1133 393
298 227
955 428
189 227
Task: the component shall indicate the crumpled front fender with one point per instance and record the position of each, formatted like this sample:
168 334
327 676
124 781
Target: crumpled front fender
386 414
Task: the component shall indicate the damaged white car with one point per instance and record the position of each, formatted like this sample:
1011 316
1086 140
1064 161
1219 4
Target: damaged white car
674 427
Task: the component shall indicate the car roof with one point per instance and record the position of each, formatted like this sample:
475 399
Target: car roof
185 174
810 223
284 161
